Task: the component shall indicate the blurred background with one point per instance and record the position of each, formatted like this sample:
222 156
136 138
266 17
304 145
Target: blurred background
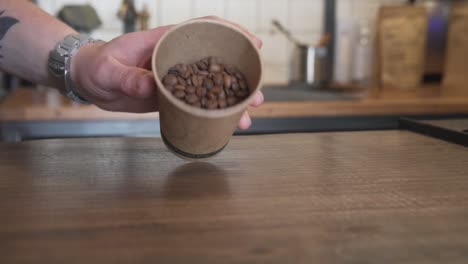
304 18
330 64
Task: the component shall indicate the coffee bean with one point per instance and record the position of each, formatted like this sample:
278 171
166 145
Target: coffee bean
179 87
243 85
231 100
194 69
212 104
189 82
208 84
173 70
227 81
190 89
222 95
181 81
191 98
179 67
197 104
185 73
218 79
239 76
179 94
202 66
229 69
215 68
206 61
212 60
241 94
222 103
189 70
217 90
201 91
202 79
182 70
211 96
170 80
197 80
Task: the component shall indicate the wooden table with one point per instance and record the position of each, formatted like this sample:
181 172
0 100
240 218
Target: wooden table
37 114
356 197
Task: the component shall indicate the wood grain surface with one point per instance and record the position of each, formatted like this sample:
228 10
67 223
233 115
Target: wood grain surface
360 197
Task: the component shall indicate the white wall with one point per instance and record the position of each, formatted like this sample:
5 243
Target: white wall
303 17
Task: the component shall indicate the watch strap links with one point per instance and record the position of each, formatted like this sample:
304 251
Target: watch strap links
60 63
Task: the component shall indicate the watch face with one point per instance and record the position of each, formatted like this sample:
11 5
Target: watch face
57 69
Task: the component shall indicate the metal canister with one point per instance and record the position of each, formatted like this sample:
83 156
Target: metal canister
308 65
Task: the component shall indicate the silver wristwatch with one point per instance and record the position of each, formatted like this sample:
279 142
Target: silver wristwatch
60 62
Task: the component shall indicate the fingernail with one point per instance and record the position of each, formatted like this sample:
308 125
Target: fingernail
245 122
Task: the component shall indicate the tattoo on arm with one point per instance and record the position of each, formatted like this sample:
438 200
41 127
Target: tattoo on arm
6 23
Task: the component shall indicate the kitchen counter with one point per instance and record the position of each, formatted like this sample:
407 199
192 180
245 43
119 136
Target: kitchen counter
33 114
31 105
349 197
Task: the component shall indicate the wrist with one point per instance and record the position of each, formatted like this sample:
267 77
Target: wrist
52 80
60 60
80 67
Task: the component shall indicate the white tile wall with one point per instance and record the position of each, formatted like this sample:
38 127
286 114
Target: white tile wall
306 15
243 12
303 17
272 9
175 11
208 8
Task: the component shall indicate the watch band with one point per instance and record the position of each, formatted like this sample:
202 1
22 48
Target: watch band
60 62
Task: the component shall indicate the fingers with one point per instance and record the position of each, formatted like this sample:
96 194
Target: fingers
152 36
136 82
258 42
136 48
245 121
257 99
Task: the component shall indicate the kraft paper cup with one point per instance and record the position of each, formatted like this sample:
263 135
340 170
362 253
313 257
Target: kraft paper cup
189 132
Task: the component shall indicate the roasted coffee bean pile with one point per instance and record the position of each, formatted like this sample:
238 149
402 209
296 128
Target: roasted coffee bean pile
207 84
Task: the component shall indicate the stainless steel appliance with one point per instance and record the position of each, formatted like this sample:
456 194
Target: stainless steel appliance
308 62
308 65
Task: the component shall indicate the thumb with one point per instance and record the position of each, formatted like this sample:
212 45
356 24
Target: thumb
134 82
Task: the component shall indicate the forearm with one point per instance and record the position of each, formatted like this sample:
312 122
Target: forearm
27 35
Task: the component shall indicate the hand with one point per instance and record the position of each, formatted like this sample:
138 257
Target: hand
117 76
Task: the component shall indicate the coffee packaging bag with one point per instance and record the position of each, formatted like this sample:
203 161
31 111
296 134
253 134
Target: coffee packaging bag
402 32
456 69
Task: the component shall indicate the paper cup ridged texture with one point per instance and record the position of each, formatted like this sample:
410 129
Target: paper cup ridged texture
190 132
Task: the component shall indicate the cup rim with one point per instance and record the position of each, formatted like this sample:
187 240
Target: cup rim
208 113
